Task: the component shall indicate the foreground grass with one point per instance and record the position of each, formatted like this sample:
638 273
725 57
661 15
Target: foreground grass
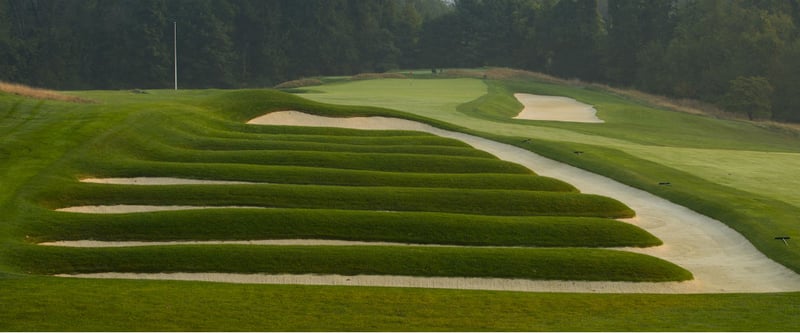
60 304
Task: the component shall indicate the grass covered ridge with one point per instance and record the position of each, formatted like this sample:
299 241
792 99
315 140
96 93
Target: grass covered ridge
88 140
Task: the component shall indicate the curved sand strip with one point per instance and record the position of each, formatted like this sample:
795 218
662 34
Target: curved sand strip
161 181
415 282
284 242
555 108
125 209
721 260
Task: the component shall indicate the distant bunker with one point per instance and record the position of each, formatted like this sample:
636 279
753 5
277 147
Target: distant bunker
555 108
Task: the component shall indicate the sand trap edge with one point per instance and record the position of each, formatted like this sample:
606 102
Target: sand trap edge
460 283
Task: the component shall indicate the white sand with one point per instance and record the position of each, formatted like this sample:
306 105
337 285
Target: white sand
721 260
555 108
415 282
125 209
160 181
285 242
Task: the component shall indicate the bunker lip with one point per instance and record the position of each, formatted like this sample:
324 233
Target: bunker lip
555 108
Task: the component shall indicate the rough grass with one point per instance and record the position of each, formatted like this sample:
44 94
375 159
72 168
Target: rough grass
372 76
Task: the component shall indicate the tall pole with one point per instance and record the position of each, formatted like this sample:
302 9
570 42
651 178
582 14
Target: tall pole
175 49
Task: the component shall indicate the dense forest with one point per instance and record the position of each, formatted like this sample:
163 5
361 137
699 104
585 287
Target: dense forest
743 55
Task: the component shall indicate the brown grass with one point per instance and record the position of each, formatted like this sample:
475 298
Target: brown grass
38 93
299 83
371 76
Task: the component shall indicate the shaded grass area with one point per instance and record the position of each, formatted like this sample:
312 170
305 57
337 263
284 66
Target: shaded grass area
523 263
28 304
401 227
475 201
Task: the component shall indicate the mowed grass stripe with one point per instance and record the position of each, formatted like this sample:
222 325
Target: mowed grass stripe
318 176
341 160
228 139
398 227
534 264
241 144
481 202
214 129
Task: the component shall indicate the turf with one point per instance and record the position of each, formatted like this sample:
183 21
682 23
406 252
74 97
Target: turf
88 140
110 305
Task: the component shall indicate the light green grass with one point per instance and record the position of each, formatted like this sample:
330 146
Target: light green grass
732 153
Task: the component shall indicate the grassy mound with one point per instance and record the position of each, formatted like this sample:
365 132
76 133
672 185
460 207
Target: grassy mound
535 264
400 227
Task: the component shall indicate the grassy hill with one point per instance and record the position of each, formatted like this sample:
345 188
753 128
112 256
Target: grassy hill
391 186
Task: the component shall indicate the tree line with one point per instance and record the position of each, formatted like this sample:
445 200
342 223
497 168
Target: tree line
743 55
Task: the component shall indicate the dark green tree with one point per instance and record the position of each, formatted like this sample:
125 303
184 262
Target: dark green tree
632 26
751 96
575 40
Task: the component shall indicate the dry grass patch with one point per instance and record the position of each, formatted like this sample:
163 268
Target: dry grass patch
38 93
372 76
298 83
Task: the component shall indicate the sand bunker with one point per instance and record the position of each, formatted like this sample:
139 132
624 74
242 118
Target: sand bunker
160 181
125 209
278 242
555 108
721 260
416 282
